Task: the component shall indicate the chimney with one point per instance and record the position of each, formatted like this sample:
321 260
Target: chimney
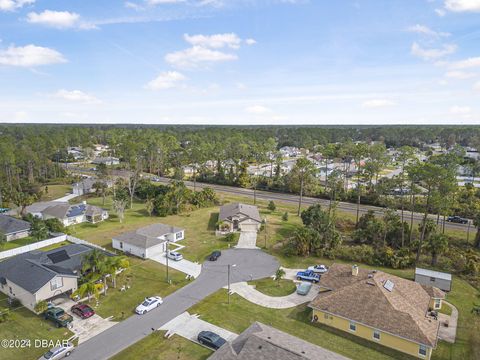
354 270
84 202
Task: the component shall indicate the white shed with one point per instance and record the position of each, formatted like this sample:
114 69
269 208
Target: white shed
438 279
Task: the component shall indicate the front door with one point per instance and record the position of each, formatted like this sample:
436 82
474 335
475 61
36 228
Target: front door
235 225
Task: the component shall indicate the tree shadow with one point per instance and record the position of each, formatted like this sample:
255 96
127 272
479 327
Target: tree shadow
212 221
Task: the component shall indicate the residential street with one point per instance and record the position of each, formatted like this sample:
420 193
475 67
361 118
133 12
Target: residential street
250 264
343 206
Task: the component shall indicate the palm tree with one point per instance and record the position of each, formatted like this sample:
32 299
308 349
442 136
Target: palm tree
436 244
279 274
89 288
114 264
93 260
304 169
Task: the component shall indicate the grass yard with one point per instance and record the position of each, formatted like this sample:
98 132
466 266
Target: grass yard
145 278
156 347
270 287
24 324
55 192
17 243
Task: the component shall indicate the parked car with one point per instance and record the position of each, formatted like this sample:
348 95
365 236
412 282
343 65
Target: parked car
174 255
214 255
308 275
457 219
58 316
304 288
319 269
82 310
58 352
148 304
210 339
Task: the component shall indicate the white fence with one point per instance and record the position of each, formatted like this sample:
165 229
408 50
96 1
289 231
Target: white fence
44 243
34 246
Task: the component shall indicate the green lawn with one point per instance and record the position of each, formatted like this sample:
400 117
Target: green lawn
271 287
156 347
17 243
145 278
55 192
24 324
447 310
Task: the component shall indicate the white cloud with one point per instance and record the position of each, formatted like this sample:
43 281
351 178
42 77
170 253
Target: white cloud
377 103
250 41
476 86
460 110
257 110
11 5
30 56
462 5
58 19
459 75
432 53
216 41
466 64
162 2
76 96
425 30
197 56
134 6
166 80
440 12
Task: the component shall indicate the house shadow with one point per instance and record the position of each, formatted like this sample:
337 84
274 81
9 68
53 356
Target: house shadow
212 222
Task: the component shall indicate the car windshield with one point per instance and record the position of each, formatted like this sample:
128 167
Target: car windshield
48 354
146 303
213 337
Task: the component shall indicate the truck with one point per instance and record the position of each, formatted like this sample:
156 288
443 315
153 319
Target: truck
58 316
457 219
308 275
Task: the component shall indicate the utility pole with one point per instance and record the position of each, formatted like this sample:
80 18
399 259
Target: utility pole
265 220
229 266
468 231
166 255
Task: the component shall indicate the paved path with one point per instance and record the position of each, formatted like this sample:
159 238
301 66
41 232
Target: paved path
66 198
449 333
189 326
185 266
249 264
247 240
273 302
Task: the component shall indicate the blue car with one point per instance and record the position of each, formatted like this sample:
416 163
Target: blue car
308 275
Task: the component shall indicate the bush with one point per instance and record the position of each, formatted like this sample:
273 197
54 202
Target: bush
5 315
271 206
285 216
41 307
230 237
14 303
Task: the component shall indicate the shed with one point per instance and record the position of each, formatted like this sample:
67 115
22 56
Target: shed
438 279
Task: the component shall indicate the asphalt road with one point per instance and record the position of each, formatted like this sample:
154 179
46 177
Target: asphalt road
249 264
291 198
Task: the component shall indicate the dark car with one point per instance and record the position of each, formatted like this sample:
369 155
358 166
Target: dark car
214 255
210 339
82 310
457 219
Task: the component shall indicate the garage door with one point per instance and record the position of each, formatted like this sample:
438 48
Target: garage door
156 250
248 227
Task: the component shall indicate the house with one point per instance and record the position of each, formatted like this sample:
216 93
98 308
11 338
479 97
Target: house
290 151
240 217
264 342
73 214
438 279
13 228
148 241
87 186
109 160
40 275
379 307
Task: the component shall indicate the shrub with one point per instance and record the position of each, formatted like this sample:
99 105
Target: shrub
5 315
230 237
41 307
271 206
285 216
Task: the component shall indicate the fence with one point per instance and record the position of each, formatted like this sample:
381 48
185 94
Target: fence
83 242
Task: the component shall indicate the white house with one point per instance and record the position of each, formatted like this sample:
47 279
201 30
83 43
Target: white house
240 217
148 241
73 214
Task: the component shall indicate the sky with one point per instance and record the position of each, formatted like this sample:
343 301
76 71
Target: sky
240 62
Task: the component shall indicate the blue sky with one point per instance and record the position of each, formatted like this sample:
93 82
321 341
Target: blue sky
240 61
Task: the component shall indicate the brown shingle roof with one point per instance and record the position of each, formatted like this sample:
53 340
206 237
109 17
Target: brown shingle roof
229 210
364 299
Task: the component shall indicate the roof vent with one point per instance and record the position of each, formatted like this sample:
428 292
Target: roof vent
370 276
370 283
354 270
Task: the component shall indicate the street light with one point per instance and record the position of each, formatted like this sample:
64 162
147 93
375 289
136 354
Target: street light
229 266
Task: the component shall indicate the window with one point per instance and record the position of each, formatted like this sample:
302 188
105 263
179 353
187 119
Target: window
437 304
422 350
178 235
56 283
376 334
325 316
121 245
10 289
353 326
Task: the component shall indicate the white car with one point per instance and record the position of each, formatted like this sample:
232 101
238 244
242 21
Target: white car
148 304
319 269
58 352
175 255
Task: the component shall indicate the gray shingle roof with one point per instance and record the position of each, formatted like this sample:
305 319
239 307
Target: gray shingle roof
65 210
33 269
147 236
229 210
11 225
262 342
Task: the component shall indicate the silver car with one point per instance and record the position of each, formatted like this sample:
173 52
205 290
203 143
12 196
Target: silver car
58 352
304 288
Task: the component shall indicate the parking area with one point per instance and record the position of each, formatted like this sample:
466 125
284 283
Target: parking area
84 329
189 326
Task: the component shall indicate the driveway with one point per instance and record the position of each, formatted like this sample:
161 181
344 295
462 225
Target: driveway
247 240
249 293
84 329
253 264
66 198
189 326
185 266
448 333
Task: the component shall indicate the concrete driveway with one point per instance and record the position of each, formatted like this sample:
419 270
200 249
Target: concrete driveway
189 326
250 264
185 266
84 329
247 240
448 324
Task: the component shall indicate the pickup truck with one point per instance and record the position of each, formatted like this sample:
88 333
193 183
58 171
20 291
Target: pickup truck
457 219
308 275
58 316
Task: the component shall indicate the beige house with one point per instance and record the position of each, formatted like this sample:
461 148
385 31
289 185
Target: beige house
239 217
13 228
41 275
